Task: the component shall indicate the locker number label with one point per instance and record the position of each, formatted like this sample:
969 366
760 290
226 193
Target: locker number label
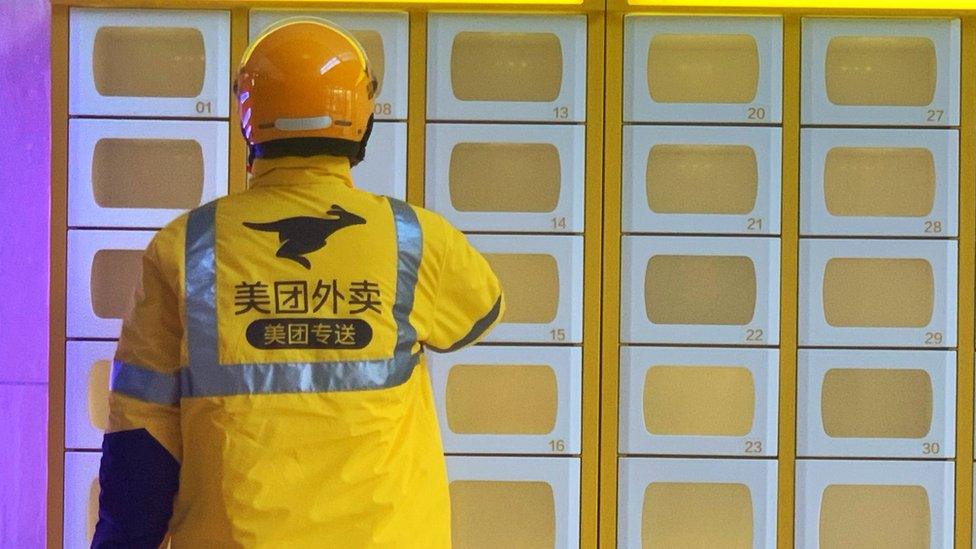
933 338
204 107
754 447
558 222
933 227
562 113
557 445
934 115
754 224
558 334
755 335
931 448
756 113
383 109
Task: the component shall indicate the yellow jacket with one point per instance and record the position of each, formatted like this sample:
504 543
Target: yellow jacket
275 351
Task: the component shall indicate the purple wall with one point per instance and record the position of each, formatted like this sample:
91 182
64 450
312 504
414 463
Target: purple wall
25 79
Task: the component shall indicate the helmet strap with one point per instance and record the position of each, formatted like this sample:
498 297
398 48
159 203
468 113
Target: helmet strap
305 146
361 153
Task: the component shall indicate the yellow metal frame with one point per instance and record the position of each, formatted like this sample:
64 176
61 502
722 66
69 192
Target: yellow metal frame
592 280
792 13
967 286
601 293
789 291
59 261
419 6
609 378
416 132
833 5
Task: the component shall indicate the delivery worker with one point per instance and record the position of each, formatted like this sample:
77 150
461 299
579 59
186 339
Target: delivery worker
270 388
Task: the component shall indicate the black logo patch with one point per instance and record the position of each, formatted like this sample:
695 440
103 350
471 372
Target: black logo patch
303 235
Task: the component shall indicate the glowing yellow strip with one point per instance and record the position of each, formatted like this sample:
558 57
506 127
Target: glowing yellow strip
819 4
388 3
476 2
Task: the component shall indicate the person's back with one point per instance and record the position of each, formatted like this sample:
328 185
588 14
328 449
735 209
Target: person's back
274 359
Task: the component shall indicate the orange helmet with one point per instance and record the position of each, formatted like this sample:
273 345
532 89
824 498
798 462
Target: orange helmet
305 87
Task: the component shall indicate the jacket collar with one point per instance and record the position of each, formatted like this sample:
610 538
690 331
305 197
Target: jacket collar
298 170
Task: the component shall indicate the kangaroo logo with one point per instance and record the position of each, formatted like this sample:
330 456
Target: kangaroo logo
303 235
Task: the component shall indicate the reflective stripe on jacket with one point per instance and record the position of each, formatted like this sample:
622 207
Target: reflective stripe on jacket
275 355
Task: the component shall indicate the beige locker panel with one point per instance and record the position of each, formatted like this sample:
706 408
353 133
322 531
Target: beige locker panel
80 498
897 404
843 504
542 277
877 293
715 180
506 67
863 182
151 63
514 502
145 173
87 368
508 400
895 72
104 270
692 503
709 290
703 69
507 177
688 401
384 37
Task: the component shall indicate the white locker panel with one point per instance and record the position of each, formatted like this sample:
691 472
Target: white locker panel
896 404
874 504
384 37
88 365
877 293
668 502
509 400
700 290
506 177
684 179
143 173
514 502
894 72
151 63
384 170
542 277
104 270
684 401
865 182
80 498
506 67
703 69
